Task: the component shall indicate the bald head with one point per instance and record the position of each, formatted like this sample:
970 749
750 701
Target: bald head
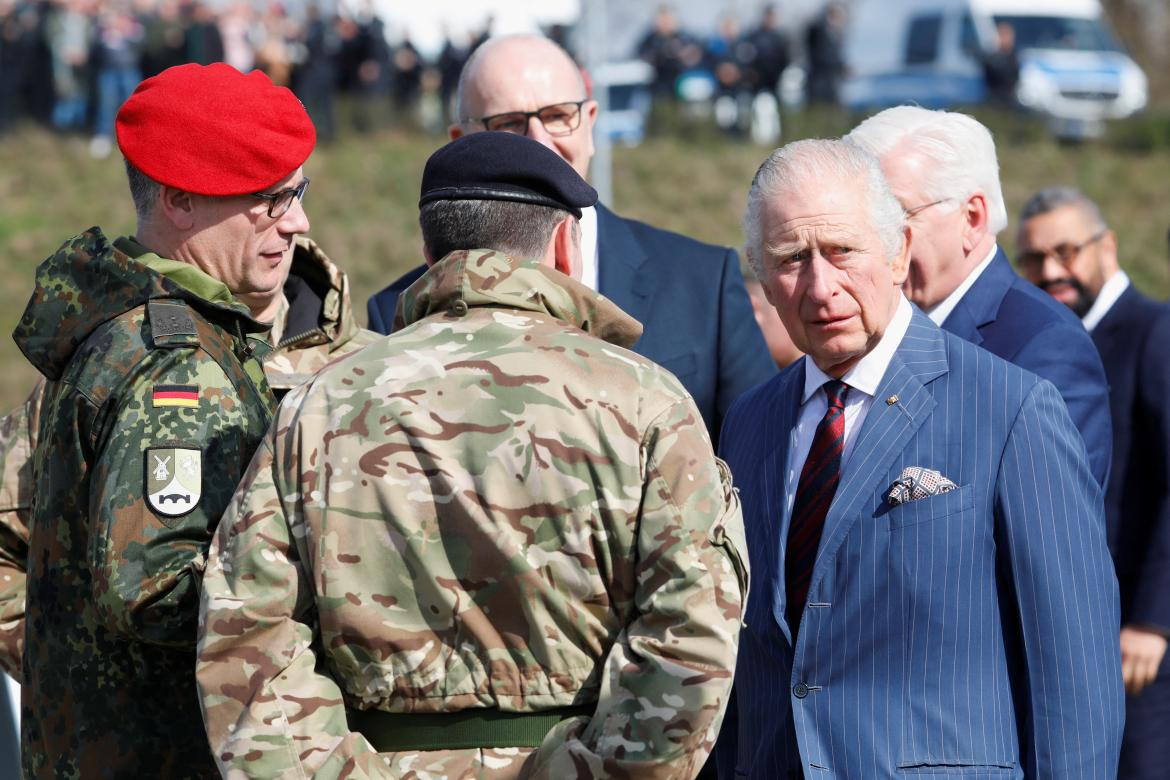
526 73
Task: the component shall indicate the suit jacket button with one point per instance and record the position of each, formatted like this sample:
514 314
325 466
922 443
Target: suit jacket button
800 690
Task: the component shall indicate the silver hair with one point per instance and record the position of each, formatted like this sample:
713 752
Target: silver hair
960 150
1053 198
461 111
825 163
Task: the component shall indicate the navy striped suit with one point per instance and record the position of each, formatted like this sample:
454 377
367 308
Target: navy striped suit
969 634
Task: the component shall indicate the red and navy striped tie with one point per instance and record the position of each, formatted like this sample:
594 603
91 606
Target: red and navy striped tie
814 493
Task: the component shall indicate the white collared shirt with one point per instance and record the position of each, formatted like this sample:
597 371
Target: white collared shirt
1110 292
863 381
588 221
938 315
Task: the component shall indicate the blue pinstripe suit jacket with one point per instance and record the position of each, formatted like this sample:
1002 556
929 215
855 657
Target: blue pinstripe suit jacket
970 634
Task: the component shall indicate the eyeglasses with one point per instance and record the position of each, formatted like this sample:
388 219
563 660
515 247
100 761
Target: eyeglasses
919 209
1065 253
280 202
559 119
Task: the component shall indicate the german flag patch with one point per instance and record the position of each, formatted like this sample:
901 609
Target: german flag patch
175 395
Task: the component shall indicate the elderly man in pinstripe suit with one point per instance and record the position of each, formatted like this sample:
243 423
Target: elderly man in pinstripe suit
934 596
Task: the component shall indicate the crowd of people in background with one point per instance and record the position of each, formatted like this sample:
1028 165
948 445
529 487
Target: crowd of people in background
69 64
746 64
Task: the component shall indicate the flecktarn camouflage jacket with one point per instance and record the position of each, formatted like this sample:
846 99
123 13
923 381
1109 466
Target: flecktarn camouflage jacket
154 403
316 325
497 507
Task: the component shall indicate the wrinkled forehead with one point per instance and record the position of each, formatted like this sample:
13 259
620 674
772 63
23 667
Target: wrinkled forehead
822 213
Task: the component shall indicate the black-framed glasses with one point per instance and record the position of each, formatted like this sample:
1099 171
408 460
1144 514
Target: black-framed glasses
559 119
280 202
1065 253
919 209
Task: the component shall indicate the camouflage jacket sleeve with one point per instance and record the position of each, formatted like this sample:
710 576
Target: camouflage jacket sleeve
148 545
269 713
18 433
666 681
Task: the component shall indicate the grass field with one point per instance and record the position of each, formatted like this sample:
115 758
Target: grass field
365 187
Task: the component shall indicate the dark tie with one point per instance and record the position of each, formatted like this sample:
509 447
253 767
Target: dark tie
814 493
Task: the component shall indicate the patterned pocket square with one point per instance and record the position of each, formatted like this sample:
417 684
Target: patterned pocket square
916 482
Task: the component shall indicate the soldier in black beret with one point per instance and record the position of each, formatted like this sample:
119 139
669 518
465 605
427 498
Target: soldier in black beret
494 544
506 192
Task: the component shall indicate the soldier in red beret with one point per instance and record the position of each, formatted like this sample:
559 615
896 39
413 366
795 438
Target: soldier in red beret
155 398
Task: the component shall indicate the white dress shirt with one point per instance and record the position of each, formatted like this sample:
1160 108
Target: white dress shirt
943 309
1110 292
589 273
863 381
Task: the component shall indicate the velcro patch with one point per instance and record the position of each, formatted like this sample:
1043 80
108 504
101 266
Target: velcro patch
170 318
175 395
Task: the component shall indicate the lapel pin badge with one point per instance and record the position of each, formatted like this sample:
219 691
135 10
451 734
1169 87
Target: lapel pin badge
893 399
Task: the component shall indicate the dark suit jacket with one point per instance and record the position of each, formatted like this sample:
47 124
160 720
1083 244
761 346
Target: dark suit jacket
1012 318
968 634
689 297
1134 340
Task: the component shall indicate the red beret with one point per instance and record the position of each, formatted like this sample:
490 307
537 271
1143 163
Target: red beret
212 130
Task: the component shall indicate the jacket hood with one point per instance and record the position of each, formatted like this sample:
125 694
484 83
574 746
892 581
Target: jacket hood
482 277
317 291
317 325
87 282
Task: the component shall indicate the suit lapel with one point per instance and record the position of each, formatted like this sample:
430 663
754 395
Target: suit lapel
619 263
777 511
902 403
1114 325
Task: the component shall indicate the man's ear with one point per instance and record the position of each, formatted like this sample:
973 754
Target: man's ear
566 248
976 218
900 265
455 130
588 120
177 207
1109 248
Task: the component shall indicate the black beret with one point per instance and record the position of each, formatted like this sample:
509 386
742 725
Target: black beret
504 166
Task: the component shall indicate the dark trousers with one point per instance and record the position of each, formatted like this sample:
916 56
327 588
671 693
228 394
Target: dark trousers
1145 746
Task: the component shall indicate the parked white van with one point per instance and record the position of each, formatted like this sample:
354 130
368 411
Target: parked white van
927 52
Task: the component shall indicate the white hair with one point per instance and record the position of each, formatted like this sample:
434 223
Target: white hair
960 150
821 163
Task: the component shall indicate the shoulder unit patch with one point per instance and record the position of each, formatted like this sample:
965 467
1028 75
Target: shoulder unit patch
174 479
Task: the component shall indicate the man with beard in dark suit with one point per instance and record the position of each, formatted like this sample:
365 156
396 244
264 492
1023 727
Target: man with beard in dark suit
1066 249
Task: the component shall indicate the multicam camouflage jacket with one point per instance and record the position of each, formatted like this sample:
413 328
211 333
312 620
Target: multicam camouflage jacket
497 507
315 325
17 441
154 403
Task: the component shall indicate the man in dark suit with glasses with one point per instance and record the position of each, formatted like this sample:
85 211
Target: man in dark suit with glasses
689 296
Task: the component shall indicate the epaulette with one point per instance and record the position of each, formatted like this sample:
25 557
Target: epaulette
171 324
